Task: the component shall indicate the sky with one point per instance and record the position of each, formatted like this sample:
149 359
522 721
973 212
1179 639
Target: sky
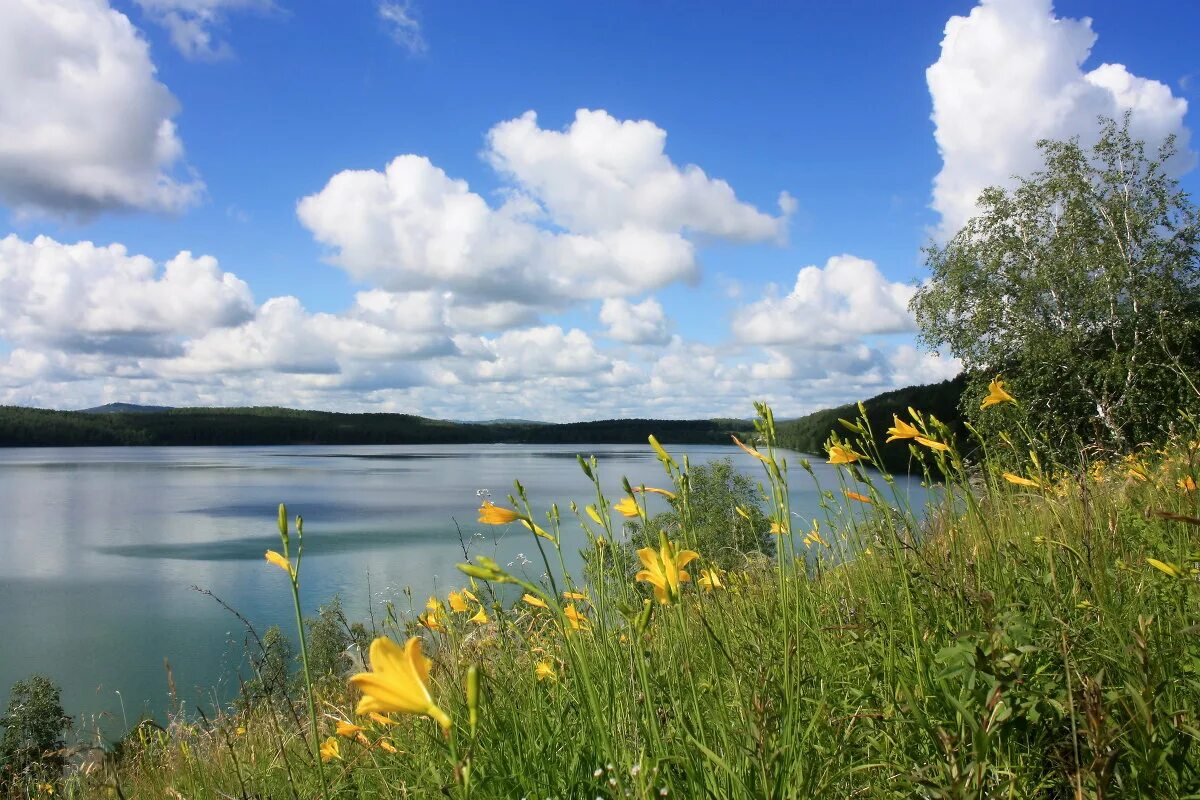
542 210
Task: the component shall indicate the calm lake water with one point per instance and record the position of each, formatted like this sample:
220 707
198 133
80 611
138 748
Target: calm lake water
99 548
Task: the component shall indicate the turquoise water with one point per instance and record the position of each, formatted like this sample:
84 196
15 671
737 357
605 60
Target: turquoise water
100 548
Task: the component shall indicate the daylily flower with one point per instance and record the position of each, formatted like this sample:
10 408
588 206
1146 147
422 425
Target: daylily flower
381 719
840 454
594 514
481 617
433 605
664 570
862 498
748 449
384 744
534 601
652 490
545 671
779 528
1168 569
281 562
578 621
330 749
431 620
905 430
710 579
492 514
458 602
1186 483
348 729
538 530
1019 481
574 596
398 681
996 394
628 506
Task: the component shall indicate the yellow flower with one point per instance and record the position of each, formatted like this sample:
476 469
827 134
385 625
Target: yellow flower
433 605
664 570
538 530
330 749
492 514
574 596
281 562
904 430
432 620
652 490
241 730
1169 569
749 450
814 536
398 681
381 719
348 729
1186 483
458 602
384 744
545 671
534 601
779 528
481 617
578 621
710 579
862 498
594 514
840 454
628 506
741 512
659 451
996 394
1019 481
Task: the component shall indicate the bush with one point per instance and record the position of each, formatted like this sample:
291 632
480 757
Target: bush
31 751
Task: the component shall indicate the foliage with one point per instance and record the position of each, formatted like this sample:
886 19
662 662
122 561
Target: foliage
31 749
1029 639
1081 286
272 667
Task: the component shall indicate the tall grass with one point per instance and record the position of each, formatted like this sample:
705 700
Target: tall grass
1035 638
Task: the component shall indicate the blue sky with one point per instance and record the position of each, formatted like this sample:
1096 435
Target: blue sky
828 102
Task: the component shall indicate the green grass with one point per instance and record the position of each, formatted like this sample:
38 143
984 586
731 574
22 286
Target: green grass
1011 641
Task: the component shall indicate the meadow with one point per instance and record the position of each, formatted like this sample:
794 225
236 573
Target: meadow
1030 633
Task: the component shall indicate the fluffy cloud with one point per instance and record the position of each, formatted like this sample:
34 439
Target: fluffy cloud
403 26
82 297
643 323
1010 73
547 351
191 22
595 211
84 124
828 306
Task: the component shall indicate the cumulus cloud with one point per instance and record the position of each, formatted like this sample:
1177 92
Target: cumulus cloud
847 298
643 323
84 124
1010 73
402 25
518 355
82 297
191 23
412 227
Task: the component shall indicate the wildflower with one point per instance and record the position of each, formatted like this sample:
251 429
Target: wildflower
905 430
1186 483
594 514
381 719
741 512
348 729
577 621
330 749
628 506
397 681
710 579
281 562
534 601
996 394
664 570
862 498
1019 481
814 536
458 603
433 605
749 450
545 671
652 490
492 514
779 528
1168 569
840 454
659 451
481 617
385 745
538 530
241 730
574 596
432 621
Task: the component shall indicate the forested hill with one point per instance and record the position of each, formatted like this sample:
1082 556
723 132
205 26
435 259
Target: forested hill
808 434
133 425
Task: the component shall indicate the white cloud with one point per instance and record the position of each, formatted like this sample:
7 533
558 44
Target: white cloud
413 228
84 124
403 26
190 23
830 305
910 366
643 323
1011 73
520 355
82 297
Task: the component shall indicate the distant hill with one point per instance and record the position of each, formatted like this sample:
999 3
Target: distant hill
808 434
120 424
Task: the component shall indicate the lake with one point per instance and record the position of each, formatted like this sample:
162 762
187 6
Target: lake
100 548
